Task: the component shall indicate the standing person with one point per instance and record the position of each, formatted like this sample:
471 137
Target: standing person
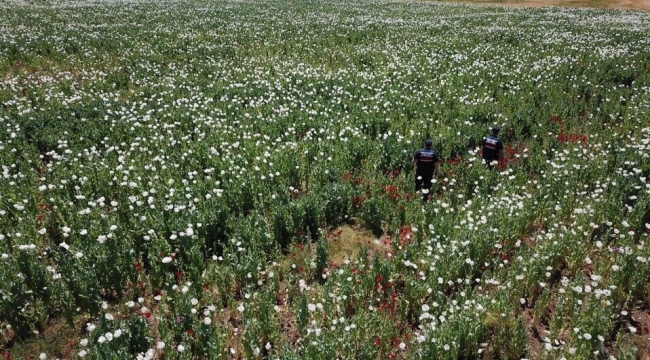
427 162
492 148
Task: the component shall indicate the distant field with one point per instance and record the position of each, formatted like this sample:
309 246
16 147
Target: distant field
610 4
230 179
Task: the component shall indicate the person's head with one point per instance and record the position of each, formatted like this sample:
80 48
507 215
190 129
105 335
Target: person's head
495 130
428 143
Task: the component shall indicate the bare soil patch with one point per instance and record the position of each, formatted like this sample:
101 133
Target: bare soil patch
347 241
343 244
536 332
57 340
641 323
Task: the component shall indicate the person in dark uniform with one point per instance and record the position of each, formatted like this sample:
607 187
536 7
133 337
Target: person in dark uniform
492 148
427 163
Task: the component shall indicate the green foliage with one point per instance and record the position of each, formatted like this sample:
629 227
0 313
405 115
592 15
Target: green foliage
233 179
372 215
322 260
336 203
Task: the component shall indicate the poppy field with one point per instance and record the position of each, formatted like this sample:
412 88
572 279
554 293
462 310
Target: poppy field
231 180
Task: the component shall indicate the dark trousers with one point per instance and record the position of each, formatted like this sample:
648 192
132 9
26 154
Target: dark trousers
488 162
423 183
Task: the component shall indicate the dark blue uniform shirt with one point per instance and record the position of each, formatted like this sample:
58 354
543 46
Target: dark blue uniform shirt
491 147
425 160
